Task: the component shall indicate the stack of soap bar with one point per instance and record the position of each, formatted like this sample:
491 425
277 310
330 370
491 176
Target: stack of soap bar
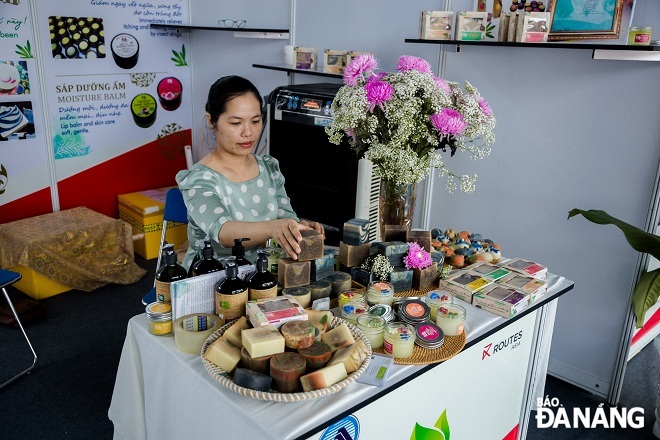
286 369
324 377
302 295
351 356
298 334
322 267
351 256
340 281
262 341
317 355
423 278
233 333
338 337
320 289
252 379
422 238
394 251
311 246
401 279
361 276
394 232
260 364
223 354
356 232
292 273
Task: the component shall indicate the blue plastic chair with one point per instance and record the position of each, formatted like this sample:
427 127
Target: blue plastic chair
174 211
8 277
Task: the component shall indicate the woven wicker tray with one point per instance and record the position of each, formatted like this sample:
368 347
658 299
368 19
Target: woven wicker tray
225 379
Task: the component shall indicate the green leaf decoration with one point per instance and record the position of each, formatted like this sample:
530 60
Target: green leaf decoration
24 51
443 424
648 287
179 58
422 433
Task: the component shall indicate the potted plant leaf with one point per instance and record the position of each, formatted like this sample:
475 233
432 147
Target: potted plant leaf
648 287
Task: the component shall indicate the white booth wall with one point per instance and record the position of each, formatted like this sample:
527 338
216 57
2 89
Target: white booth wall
572 132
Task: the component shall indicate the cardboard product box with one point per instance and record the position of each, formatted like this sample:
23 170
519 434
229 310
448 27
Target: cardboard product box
464 284
471 26
526 267
274 311
533 287
334 61
36 285
501 300
143 210
435 25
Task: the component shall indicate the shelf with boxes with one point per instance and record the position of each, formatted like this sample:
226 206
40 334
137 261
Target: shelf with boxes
279 34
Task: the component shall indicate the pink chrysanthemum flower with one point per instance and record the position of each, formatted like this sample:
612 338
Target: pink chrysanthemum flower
376 77
485 107
378 93
448 122
417 257
442 84
362 65
407 62
351 134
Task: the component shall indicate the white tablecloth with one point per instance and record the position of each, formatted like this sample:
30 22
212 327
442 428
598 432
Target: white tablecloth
161 393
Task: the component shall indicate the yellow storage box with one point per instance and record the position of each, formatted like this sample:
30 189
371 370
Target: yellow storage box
143 210
37 285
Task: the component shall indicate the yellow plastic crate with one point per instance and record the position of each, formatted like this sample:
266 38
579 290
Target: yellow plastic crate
37 285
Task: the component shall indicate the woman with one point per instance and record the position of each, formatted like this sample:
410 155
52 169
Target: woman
232 193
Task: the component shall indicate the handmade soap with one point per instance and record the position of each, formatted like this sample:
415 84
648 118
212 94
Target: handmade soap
351 256
320 289
298 334
401 279
292 273
302 295
320 319
286 369
223 354
340 282
394 251
351 356
423 278
317 355
394 232
252 379
260 364
262 341
324 377
322 267
438 257
422 238
356 232
233 333
361 276
338 337
311 246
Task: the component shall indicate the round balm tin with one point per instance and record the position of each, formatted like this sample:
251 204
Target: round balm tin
143 109
125 50
414 311
382 310
159 318
169 93
429 335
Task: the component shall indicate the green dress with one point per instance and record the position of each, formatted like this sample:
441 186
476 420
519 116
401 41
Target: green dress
212 200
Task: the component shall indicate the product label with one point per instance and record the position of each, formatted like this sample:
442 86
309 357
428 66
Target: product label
387 346
460 329
163 328
231 306
415 310
162 291
643 38
255 294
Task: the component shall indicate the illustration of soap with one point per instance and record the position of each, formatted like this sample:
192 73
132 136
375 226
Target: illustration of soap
76 37
11 120
143 109
125 50
169 93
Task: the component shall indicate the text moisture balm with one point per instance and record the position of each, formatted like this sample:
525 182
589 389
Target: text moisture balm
125 50
143 109
169 93
451 318
399 339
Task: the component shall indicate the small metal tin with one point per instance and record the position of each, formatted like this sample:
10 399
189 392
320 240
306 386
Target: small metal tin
382 310
429 335
414 311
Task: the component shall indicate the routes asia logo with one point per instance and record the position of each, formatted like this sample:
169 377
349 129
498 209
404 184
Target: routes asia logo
511 342
551 414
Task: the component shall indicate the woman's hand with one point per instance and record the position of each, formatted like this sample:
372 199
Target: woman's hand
314 225
286 233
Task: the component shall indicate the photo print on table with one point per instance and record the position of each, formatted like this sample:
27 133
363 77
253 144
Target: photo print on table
16 121
14 79
76 37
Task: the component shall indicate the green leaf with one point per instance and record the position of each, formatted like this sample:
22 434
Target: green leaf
640 240
443 424
183 51
422 433
645 295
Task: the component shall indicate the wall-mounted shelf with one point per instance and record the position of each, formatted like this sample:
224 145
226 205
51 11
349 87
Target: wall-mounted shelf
601 51
279 34
290 70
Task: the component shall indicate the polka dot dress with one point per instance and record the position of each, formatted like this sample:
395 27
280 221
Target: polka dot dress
212 200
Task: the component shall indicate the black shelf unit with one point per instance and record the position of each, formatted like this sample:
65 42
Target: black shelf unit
550 45
189 27
289 70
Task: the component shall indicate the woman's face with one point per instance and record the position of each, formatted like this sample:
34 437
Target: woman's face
237 130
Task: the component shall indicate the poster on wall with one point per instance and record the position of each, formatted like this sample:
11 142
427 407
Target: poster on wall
24 162
118 94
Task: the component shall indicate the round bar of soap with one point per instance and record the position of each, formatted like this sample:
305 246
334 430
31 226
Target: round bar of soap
317 355
286 369
320 289
300 294
340 282
260 364
298 334
251 379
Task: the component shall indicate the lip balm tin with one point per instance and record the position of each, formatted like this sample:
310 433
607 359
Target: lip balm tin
414 311
382 310
429 335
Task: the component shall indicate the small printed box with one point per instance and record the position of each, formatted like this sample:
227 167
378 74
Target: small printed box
464 284
471 25
304 58
334 61
490 271
274 311
501 300
530 286
351 54
435 25
533 27
143 210
526 267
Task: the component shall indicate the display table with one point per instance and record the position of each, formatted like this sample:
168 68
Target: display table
486 391
77 248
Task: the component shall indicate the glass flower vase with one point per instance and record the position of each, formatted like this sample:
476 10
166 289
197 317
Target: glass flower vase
396 204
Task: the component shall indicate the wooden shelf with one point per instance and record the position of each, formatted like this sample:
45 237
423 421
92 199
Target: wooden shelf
289 70
238 32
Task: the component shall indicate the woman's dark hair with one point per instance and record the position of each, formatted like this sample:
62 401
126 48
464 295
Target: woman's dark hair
224 90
